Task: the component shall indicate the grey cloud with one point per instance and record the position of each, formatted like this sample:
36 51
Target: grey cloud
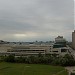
46 18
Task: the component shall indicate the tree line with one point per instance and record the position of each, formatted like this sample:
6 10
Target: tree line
66 60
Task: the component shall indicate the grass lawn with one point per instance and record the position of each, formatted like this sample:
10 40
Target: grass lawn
30 69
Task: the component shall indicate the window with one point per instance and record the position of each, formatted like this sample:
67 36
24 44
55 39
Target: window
63 50
55 51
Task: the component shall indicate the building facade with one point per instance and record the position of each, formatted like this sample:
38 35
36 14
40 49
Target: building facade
25 50
73 39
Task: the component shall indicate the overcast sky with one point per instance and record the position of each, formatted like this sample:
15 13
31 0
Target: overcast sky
30 20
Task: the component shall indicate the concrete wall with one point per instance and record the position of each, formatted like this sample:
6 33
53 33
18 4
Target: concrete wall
4 48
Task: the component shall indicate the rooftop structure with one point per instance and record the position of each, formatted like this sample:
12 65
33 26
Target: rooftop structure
59 39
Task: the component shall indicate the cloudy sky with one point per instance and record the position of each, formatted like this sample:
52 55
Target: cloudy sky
30 20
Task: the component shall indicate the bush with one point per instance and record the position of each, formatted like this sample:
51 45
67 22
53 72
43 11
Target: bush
67 60
10 58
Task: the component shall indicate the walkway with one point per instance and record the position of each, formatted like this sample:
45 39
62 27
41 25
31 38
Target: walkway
70 69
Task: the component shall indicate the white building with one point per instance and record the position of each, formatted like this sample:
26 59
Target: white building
34 49
26 50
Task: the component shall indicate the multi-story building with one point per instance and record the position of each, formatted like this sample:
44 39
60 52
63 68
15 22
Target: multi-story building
26 50
73 39
58 48
30 49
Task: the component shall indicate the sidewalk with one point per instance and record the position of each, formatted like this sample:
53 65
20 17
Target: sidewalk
70 69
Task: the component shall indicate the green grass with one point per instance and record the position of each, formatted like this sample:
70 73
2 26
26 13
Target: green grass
30 69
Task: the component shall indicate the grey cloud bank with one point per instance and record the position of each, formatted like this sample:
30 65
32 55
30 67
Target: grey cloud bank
30 20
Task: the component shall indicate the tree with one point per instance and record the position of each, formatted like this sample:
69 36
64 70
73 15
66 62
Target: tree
67 60
10 58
